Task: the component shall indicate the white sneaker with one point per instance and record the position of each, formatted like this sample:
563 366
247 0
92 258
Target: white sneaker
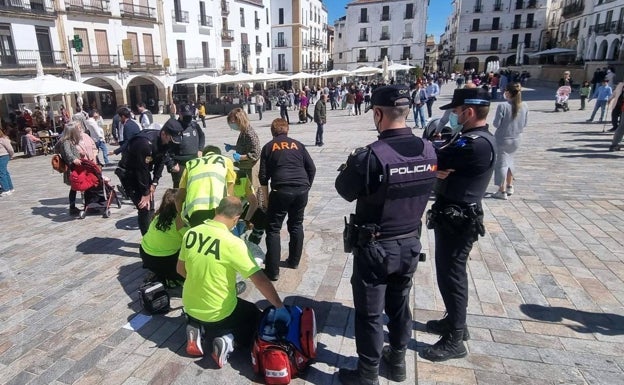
500 195
510 190
221 349
7 193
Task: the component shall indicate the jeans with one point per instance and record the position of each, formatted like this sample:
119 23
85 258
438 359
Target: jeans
5 177
101 145
419 111
599 104
319 133
281 202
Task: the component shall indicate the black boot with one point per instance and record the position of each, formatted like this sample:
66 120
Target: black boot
363 375
395 359
448 347
442 327
614 148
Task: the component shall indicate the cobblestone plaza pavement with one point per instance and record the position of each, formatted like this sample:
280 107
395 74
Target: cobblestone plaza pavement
546 281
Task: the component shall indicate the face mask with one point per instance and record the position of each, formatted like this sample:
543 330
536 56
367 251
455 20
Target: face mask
234 126
454 123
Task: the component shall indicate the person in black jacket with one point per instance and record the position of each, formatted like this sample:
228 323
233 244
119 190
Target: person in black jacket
391 179
126 130
141 166
286 163
191 145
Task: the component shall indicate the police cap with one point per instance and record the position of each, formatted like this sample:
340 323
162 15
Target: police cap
468 96
390 96
174 128
185 110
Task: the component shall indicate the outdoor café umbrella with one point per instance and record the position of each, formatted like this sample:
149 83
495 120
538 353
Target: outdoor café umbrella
335 73
554 51
8 86
201 79
399 67
366 71
301 75
53 85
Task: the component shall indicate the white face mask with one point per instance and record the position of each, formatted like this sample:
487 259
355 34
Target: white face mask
454 123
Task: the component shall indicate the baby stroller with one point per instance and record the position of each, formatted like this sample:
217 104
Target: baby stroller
97 193
561 98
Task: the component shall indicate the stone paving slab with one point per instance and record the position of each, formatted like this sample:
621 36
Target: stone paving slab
546 282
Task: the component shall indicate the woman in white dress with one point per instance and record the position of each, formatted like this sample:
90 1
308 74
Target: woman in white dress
510 119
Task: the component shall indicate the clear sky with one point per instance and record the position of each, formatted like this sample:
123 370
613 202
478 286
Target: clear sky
438 12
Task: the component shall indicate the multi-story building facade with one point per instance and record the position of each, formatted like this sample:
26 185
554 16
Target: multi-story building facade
28 34
507 32
373 30
216 37
593 28
300 35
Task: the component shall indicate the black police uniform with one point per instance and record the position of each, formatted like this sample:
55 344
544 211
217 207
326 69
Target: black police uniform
141 165
193 141
288 165
459 214
386 258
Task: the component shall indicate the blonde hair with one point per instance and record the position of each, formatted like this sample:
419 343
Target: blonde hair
239 116
72 132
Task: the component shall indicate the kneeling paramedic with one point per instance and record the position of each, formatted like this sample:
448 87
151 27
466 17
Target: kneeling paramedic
391 179
209 259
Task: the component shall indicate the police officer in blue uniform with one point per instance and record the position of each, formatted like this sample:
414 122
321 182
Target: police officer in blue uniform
392 180
465 167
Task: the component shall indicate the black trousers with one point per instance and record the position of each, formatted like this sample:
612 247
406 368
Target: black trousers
284 114
383 285
144 215
451 256
429 106
163 267
615 117
282 202
241 323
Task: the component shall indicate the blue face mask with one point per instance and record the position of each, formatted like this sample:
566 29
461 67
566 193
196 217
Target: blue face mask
454 123
234 126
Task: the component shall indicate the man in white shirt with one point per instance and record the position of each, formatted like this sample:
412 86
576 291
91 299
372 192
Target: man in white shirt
97 134
432 91
145 116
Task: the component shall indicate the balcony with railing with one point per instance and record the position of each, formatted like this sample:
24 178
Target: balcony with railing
257 23
316 42
574 33
204 21
485 47
136 11
362 59
615 27
406 56
317 65
519 4
140 62
485 27
99 7
408 35
20 58
194 63
227 34
573 9
230 66
245 49
524 25
280 43
258 47
497 7
408 15
363 37
363 19
478 8
42 8
532 4
282 68
384 36
88 61
382 57
527 46
225 7
180 17
384 17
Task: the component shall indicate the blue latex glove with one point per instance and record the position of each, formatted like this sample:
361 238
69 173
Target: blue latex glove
282 315
236 156
228 147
